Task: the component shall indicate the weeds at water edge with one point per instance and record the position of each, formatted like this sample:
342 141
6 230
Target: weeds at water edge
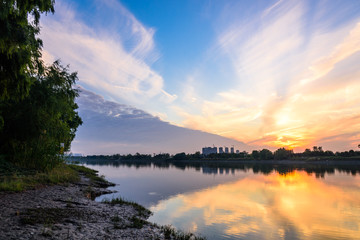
142 211
171 233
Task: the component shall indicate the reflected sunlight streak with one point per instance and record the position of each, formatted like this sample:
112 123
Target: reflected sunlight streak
294 203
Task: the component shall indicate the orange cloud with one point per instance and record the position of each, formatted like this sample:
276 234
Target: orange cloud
323 104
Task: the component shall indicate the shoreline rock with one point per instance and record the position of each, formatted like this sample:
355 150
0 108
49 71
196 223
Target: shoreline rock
67 212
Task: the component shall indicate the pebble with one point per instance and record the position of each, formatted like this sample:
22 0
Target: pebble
90 220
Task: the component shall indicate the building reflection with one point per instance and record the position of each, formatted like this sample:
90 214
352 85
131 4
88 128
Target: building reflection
219 167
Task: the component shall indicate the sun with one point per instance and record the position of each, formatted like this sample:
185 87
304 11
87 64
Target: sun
283 119
289 141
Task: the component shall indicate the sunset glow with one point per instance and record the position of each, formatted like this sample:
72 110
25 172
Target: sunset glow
293 203
268 73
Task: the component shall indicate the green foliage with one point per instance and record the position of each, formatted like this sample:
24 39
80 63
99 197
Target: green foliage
266 154
179 156
96 180
19 179
317 152
171 233
137 222
36 126
37 108
20 50
88 172
282 154
255 154
142 211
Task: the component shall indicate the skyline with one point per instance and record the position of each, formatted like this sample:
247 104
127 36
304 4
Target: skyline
266 73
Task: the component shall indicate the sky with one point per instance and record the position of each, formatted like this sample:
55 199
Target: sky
267 73
112 128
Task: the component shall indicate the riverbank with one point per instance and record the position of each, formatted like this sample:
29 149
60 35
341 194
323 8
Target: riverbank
68 212
301 161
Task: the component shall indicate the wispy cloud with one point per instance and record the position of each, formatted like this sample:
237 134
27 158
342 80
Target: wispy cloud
295 84
287 75
114 59
110 128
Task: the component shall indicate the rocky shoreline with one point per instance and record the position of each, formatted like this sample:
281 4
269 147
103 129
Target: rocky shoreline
67 212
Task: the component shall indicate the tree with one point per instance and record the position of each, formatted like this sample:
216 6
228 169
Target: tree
265 154
179 156
329 153
307 152
37 125
282 154
37 103
20 50
255 154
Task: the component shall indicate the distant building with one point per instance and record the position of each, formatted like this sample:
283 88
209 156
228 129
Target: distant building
209 150
232 149
237 151
226 150
221 150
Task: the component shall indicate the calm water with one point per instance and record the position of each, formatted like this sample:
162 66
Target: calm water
245 201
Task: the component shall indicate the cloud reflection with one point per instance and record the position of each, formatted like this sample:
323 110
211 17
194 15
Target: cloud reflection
295 205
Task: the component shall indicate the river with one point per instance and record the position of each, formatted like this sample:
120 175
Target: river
244 201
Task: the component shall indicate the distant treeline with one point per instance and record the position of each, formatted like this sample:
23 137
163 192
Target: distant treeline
317 153
320 169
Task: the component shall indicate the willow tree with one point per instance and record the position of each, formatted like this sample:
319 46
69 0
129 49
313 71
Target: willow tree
20 49
37 103
42 123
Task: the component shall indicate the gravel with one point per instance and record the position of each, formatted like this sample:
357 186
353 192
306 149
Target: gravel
65 212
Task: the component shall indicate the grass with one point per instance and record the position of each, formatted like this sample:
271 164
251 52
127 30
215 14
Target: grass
9 169
14 178
17 179
142 211
135 221
171 233
98 181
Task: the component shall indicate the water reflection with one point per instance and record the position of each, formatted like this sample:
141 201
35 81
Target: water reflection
228 167
245 200
275 206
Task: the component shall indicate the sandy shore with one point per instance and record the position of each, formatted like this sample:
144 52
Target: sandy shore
66 212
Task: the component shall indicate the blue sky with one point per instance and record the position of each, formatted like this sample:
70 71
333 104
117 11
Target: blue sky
268 73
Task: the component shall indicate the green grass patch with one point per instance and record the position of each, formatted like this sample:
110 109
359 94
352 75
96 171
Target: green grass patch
142 211
21 179
14 178
92 174
9 169
137 222
171 233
